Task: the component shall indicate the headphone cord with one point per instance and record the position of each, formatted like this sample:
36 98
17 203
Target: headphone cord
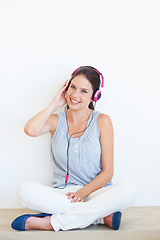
67 172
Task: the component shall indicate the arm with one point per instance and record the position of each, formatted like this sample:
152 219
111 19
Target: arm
45 121
107 148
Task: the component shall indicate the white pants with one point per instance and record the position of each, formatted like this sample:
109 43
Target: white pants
67 215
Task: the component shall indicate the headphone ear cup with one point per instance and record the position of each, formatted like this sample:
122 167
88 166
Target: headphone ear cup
96 95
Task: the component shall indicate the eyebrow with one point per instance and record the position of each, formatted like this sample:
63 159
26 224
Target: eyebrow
81 88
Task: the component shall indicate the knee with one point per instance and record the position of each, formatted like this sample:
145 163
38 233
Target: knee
25 190
130 188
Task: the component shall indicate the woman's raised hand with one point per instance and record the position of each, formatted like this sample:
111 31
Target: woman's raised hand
43 121
60 99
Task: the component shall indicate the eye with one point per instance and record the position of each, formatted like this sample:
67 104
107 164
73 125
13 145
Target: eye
72 86
84 91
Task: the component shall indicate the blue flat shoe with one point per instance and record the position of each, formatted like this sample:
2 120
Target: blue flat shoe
116 219
19 222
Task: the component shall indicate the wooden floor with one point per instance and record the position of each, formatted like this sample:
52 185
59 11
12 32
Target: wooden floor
138 223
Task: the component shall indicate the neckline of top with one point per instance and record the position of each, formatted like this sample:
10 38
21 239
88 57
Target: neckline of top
83 135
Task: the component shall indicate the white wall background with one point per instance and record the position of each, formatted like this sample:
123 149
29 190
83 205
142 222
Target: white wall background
41 43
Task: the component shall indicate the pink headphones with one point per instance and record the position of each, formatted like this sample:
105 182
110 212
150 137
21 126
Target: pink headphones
97 92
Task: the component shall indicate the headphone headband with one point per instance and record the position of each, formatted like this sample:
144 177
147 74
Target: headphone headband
100 74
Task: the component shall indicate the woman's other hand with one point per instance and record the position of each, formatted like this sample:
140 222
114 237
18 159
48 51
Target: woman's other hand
76 197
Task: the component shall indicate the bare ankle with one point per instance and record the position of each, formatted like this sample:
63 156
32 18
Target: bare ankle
108 220
38 223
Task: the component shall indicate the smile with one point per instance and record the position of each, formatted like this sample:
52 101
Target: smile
74 101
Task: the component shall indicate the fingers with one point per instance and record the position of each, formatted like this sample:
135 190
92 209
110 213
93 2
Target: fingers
74 197
65 83
70 195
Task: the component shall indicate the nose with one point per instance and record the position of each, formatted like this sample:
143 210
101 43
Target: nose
76 94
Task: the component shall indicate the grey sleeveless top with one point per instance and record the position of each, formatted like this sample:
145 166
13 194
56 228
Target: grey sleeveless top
84 153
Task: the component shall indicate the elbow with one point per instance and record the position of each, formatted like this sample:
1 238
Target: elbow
29 131
108 176
111 174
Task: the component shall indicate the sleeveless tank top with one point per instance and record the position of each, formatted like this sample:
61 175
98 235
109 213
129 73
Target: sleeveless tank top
84 153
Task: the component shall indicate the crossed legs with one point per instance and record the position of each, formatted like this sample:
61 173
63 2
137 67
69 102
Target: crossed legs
97 208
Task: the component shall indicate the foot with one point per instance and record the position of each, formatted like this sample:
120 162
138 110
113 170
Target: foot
113 220
108 220
41 223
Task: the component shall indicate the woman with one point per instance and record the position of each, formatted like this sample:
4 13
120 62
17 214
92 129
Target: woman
82 152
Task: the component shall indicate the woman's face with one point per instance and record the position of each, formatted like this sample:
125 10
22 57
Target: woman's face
79 93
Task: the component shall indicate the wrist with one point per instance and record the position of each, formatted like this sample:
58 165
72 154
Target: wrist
81 192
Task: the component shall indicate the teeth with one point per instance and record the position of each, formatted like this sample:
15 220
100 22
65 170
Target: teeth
74 101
